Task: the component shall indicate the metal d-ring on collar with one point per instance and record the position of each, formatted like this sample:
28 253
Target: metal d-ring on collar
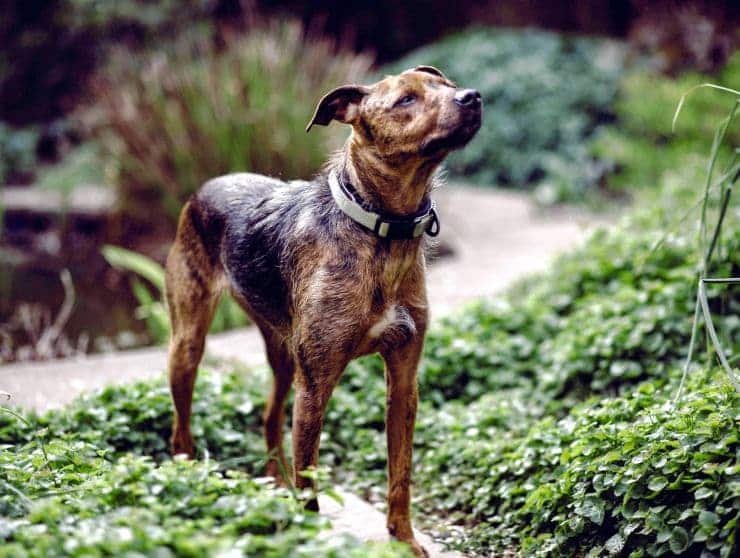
424 221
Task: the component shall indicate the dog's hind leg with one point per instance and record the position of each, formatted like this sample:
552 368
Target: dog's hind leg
283 366
192 293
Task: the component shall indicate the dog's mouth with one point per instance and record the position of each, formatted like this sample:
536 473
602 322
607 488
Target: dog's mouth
453 139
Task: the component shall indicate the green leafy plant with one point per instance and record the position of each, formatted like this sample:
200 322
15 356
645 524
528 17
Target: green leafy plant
152 307
707 242
641 145
173 120
82 504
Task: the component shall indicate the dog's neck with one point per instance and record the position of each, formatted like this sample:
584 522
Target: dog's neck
396 189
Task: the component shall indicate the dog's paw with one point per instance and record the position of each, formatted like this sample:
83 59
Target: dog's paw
407 536
182 445
418 550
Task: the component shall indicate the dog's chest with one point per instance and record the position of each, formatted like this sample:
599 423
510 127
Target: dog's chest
393 327
390 321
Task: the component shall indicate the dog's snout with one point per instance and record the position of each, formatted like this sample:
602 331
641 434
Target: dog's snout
467 98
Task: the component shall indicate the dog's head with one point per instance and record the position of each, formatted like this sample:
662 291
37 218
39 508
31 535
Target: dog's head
419 114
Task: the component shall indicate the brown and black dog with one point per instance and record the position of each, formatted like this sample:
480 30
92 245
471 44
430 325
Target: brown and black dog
321 287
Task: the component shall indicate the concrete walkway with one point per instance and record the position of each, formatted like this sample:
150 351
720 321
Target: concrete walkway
354 516
497 237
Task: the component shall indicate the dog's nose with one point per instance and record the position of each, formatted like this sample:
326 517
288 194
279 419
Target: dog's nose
467 98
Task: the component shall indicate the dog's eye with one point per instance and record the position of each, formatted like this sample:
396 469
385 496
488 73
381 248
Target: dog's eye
405 101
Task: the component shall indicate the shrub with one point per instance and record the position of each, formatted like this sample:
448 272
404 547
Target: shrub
640 146
620 476
543 96
187 114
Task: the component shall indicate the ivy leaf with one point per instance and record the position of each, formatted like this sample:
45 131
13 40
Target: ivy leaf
592 508
708 519
679 540
614 544
657 483
703 493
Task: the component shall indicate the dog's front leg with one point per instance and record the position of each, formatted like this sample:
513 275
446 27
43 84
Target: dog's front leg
402 397
314 386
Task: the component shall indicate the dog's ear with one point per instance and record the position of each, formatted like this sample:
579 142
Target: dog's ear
339 104
432 70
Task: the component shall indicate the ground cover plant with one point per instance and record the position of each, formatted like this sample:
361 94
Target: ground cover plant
544 94
94 481
524 447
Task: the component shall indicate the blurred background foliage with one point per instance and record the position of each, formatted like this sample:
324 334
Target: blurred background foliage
544 95
173 119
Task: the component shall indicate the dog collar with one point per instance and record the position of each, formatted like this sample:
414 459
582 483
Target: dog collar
424 221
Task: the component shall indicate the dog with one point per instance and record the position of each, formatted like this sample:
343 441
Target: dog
328 269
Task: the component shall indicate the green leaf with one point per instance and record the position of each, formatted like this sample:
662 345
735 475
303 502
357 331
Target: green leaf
657 483
614 544
592 508
708 519
679 540
138 263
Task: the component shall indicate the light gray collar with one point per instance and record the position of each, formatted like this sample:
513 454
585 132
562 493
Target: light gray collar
385 227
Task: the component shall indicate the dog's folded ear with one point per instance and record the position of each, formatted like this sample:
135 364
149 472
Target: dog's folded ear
432 70
339 104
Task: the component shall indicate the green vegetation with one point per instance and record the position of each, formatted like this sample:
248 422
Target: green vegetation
152 307
546 421
568 115
550 422
622 476
82 166
544 95
75 502
643 126
174 119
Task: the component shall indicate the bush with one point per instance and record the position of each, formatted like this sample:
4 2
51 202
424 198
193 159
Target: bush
175 119
620 476
543 95
641 146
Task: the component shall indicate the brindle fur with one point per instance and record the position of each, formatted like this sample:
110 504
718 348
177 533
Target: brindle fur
321 289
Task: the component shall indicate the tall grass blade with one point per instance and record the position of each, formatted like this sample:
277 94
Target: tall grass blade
709 324
683 98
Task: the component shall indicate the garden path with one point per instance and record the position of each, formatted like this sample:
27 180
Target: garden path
497 237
